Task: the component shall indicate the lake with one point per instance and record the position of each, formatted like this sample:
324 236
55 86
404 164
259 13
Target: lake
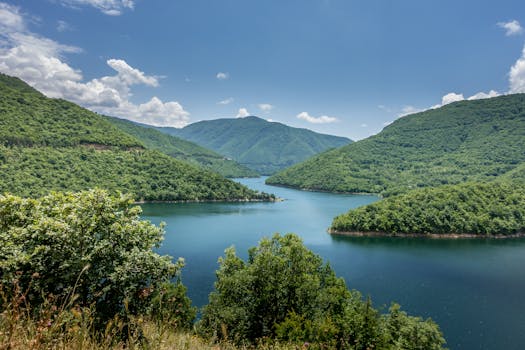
474 289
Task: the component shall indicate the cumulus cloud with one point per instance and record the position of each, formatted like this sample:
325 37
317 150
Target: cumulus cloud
265 107
243 112
482 95
517 75
226 101
511 27
108 7
39 61
222 76
324 119
451 97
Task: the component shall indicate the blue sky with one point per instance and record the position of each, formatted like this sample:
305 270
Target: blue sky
334 66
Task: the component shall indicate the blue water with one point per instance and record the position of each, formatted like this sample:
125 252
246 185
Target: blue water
474 289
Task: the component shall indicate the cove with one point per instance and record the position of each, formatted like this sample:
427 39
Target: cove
472 288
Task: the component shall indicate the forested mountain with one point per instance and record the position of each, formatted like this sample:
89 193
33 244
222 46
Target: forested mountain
464 141
182 149
51 144
263 146
485 209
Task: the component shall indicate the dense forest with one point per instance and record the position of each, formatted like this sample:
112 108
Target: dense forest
463 141
263 146
79 270
484 209
183 150
54 145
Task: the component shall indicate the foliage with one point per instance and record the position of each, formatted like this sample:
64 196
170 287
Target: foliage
285 291
495 208
263 146
87 249
48 144
182 149
149 175
462 141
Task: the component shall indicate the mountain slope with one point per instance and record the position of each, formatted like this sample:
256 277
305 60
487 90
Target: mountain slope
182 149
462 141
263 146
49 145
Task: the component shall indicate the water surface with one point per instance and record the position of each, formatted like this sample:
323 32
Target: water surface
473 288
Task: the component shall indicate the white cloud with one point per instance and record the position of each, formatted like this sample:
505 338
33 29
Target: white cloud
265 107
316 120
10 18
39 62
243 112
226 101
222 76
63 26
482 95
511 27
108 7
364 125
451 97
388 122
517 75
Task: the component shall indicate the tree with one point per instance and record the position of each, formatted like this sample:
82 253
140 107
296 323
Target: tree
89 248
284 291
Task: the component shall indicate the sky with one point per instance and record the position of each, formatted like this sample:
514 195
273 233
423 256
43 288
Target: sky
341 67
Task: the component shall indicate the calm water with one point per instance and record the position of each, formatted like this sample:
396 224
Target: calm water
474 289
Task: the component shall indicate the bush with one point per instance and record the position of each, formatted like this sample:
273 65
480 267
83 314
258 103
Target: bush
89 249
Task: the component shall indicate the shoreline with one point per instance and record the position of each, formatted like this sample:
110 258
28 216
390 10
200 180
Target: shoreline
212 201
325 191
424 235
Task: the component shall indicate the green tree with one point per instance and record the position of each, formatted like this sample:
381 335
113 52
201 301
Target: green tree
284 291
89 248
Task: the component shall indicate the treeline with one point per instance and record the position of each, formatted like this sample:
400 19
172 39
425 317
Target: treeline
485 209
148 175
79 268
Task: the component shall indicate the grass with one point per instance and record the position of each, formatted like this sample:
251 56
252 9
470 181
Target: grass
69 327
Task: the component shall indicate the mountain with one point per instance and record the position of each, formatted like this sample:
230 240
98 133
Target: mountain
463 141
263 146
182 149
54 145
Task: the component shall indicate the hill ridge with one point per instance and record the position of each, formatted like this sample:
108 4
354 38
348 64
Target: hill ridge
256 143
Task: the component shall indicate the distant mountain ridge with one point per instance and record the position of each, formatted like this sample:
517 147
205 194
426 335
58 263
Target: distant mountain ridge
263 146
182 149
54 145
478 140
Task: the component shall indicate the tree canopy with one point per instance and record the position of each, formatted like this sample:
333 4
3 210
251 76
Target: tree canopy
284 291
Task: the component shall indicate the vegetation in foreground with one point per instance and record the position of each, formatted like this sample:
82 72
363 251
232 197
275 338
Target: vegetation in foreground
78 271
54 145
485 209
463 141
263 146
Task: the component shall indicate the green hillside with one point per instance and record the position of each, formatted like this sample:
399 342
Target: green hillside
263 146
49 144
485 209
463 141
182 149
